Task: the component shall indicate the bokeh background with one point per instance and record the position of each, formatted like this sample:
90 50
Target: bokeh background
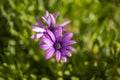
96 28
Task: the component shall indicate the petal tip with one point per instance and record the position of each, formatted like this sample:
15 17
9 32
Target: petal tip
32 37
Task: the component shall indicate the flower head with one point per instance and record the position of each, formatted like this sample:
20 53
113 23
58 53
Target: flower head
50 20
58 46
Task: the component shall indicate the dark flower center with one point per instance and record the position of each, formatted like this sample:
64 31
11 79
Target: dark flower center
51 28
57 45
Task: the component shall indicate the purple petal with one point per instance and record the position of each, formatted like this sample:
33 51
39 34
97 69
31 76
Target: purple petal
58 32
44 19
35 28
67 43
47 36
51 35
64 59
70 48
44 47
58 55
66 52
67 36
47 41
46 14
47 20
41 42
64 23
50 53
53 22
56 15
38 35
40 23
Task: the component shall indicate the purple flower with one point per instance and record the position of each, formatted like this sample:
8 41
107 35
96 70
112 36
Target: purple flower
58 46
51 38
50 20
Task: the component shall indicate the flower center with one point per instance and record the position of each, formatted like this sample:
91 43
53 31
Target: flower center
57 45
51 28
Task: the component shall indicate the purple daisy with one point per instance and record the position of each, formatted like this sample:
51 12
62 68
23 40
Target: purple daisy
58 46
50 20
40 28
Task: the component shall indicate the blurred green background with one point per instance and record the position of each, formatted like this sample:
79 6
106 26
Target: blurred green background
96 28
